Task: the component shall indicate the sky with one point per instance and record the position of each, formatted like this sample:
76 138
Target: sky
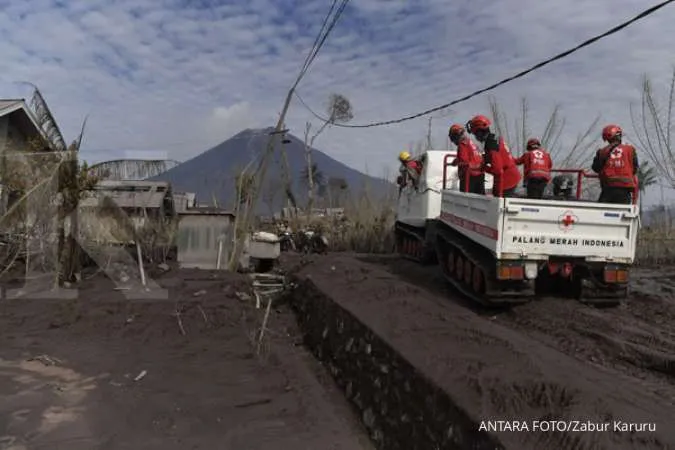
165 78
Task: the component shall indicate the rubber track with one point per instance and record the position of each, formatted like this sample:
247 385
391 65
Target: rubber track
493 296
478 256
412 233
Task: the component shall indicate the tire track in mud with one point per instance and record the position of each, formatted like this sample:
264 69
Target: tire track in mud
635 340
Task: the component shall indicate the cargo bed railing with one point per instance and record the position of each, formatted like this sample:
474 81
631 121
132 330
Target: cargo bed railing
580 173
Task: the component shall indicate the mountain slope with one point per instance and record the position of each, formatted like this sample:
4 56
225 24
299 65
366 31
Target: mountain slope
211 175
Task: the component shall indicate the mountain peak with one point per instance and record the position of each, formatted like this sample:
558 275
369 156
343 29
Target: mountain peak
212 173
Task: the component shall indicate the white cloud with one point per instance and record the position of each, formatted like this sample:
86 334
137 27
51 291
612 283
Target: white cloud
225 122
179 76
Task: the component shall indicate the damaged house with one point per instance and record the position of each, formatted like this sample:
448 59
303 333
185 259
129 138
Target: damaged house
141 204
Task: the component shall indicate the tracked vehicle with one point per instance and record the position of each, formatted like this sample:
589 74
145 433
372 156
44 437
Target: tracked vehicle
511 250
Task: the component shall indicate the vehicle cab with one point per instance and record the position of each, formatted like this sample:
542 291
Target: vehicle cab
421 202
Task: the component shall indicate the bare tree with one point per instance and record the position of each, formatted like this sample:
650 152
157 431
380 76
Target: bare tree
339 111
74 180
430 142
653 125
336 187
578 155
244 183
273 187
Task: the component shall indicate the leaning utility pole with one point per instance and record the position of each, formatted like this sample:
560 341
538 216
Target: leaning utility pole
261 172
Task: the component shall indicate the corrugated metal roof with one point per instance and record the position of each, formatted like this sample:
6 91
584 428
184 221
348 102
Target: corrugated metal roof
125 199
206 211
131 184
9 104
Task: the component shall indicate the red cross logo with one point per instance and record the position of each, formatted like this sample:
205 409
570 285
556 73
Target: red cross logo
567 220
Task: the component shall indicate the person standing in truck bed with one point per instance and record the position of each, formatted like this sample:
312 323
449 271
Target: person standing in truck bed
469 161
617 165
537 168
497 159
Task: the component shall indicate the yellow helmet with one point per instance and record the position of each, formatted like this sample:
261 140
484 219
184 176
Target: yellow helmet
404 156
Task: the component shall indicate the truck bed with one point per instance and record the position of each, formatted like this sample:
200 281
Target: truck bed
515 228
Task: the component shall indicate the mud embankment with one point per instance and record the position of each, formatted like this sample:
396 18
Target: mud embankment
399 406
425 375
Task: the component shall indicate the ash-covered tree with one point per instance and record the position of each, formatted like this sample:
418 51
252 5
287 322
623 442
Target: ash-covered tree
74 181
274 187
654 125
335 190
339 110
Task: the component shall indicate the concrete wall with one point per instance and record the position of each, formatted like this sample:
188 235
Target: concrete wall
198 238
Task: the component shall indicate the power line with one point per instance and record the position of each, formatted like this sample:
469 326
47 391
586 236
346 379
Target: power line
319 41
312 51
261 170
321 38
564 54
338 14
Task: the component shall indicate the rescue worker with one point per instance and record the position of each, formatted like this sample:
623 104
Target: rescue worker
537 168
410 169
617 166
497 158
469 161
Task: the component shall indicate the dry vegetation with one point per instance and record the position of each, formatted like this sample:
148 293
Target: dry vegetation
37 226
369 222
368 228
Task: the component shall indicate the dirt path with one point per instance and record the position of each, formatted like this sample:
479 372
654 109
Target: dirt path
68 370
547 360
635 340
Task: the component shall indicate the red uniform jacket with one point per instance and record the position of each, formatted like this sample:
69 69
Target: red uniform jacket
537 164
500 164
409 170
415 165
617 165
468 157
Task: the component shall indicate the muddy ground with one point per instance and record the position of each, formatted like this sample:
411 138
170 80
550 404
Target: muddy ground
105 373
635 340
101 372
551 359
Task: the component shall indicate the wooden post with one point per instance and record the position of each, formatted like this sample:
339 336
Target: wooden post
140 261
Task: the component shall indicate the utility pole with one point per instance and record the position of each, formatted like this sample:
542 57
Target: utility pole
262 171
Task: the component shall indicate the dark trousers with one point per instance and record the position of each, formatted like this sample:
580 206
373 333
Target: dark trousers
509 192
614 194
536 187
476 184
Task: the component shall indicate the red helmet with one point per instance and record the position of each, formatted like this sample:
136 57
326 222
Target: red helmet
611 132
478 123
456 130
533 143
